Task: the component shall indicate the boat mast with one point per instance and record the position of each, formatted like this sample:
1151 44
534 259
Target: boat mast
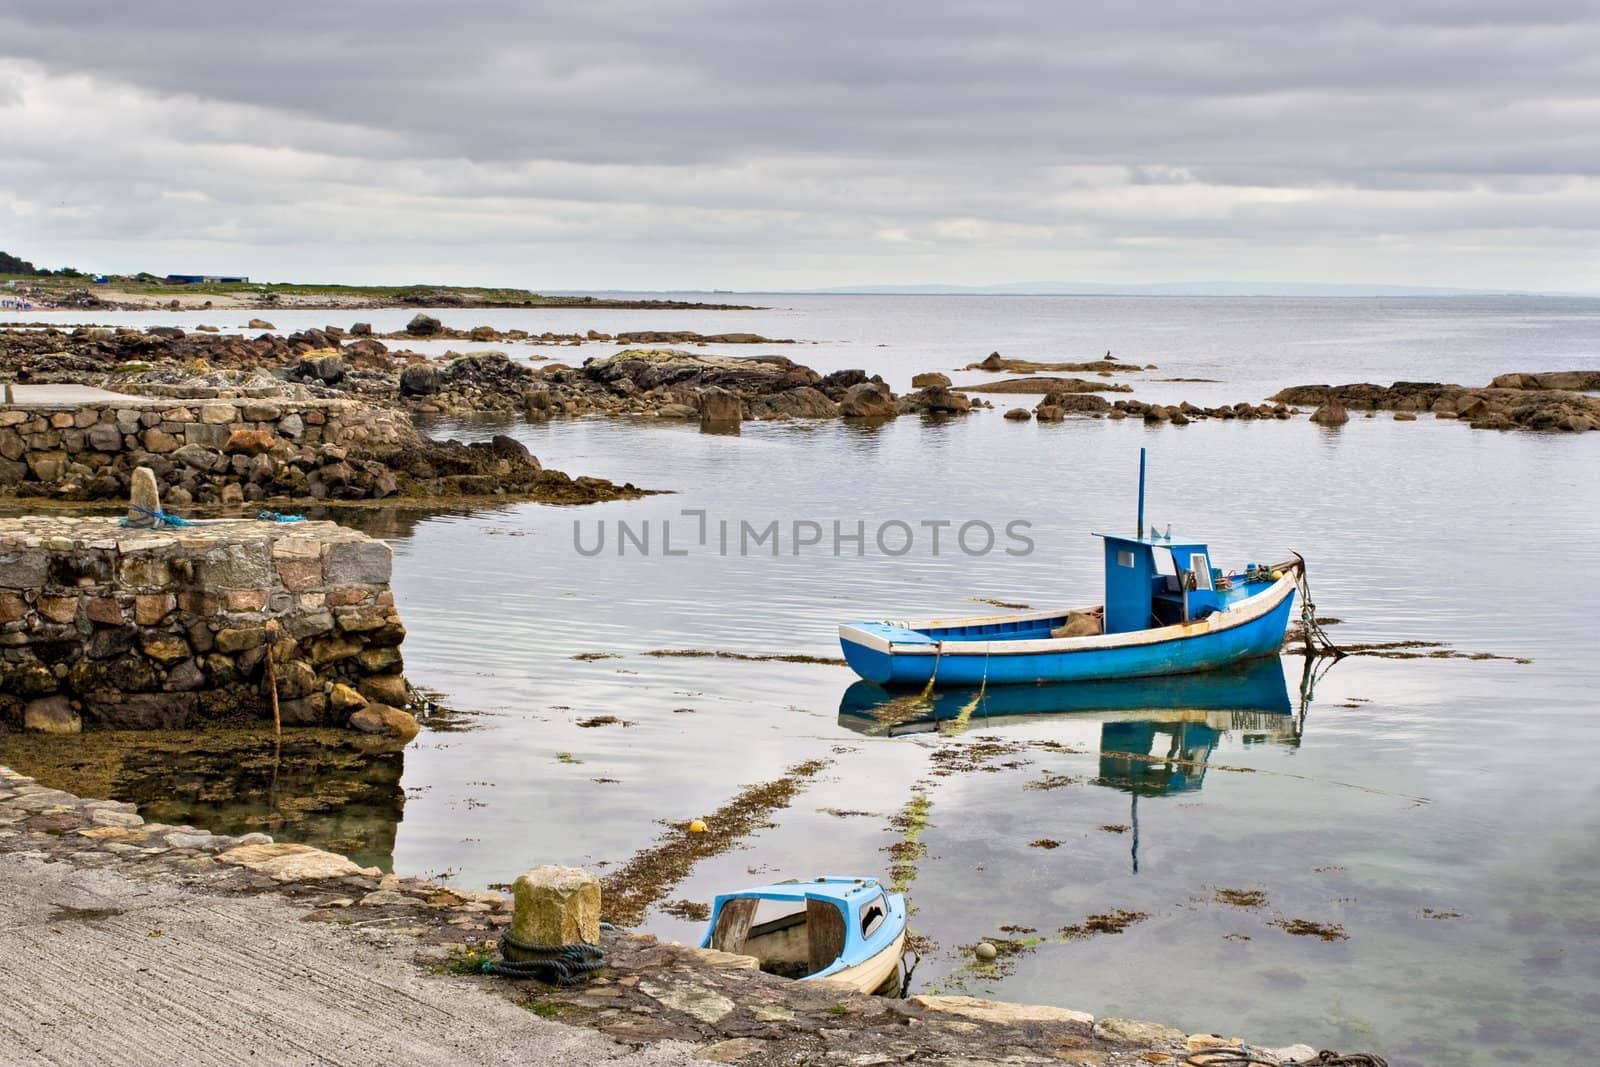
1138 529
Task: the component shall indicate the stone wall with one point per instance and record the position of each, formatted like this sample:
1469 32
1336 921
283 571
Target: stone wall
108 626
205 451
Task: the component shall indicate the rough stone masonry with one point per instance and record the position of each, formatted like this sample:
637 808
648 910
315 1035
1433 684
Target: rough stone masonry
174 627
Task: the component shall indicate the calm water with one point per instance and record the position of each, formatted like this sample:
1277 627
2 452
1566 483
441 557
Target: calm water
1443 812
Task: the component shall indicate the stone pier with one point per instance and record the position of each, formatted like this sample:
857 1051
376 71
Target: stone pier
106 626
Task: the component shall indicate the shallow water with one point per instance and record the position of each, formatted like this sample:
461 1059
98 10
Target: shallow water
1440 811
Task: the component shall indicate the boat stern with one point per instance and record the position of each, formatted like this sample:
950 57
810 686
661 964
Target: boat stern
869 648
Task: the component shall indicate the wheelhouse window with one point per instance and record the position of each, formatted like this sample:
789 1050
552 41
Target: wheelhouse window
872 915
1201 570
1124 557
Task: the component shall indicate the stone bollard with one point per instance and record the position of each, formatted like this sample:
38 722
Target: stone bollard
554 906
145 499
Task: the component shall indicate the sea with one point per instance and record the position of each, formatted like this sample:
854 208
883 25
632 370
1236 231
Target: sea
1397 851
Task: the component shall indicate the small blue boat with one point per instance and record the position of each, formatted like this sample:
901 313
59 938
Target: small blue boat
840 929
1167 610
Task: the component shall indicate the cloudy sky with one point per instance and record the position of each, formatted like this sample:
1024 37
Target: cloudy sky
738 144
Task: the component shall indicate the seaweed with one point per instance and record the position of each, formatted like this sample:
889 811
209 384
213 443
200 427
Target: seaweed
630 890
697 653
1307 928
1111 922
1241 898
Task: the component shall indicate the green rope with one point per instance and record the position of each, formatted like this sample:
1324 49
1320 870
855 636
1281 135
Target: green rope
555 964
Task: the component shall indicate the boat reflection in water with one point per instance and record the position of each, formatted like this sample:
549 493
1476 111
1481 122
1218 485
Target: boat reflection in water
1156 734
1251 698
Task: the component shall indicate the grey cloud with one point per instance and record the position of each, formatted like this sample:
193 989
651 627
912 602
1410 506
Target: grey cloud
751 132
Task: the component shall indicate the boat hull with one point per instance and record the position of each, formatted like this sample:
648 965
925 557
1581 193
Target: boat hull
870 974
1252 629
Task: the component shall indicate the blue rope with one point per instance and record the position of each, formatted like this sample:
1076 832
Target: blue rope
277 516
158 518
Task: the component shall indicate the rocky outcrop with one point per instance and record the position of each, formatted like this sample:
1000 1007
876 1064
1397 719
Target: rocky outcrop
1048 385
108 626
1527 406
1109 365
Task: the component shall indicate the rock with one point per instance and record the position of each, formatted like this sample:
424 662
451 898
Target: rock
1138 1032
868 400
145 498
733 1050
388 689
424 326
419 379
105 437
325 367
361 329
1002 1013
939 400
259 324
249 443
1330 414
1049 413
719 408
51 715
384 720
1018 415
284 862
343 698
922 381
1404 416
555 906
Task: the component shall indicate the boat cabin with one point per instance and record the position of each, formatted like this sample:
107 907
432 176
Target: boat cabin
1158 581
802 929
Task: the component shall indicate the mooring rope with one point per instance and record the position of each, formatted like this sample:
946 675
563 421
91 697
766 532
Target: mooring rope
556 964
1317 640
1232 1056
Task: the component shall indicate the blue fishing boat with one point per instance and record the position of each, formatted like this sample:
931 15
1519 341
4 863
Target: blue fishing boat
841 929
1167 610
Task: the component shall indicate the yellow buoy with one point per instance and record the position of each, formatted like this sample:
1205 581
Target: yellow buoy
1276 575
698 826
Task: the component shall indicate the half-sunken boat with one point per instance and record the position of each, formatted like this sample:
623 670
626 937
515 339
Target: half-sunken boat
842 929
1167 610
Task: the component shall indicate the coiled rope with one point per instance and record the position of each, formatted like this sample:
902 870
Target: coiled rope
565 965
1229 1056
159 518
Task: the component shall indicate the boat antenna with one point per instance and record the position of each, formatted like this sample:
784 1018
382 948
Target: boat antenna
1138 529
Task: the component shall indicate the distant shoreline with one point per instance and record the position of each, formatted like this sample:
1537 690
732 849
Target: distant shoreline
55 292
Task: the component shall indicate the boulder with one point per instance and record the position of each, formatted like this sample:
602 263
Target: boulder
1018 415
940 400
555 906
259 324
1331 414
922 381
719 408
361 329
1048 413
249 443
419 379
323 366
285 862
424 326
869 400
386 721
51 715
